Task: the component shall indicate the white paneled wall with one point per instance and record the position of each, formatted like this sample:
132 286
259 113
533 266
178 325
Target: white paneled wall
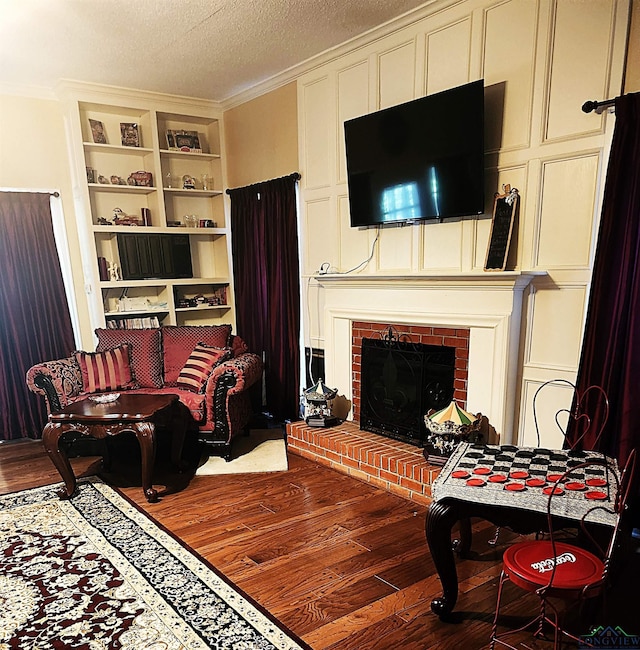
540 59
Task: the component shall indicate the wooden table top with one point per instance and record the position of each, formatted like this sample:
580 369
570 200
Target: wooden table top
127 408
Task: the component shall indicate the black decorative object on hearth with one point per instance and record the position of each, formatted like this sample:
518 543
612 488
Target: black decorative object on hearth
318 402
401 381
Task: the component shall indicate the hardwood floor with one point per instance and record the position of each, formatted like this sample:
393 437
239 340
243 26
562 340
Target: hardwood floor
344 565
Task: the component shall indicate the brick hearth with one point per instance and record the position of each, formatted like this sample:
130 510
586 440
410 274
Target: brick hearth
388 464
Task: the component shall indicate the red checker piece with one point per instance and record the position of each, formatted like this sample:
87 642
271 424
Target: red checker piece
518 473
514 487
596 482
556 490
498 478
596 495
460 473
536 482
482 470
552 478
476 482
576 486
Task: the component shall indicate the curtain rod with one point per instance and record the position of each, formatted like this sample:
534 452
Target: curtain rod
27 191
294 176
598 107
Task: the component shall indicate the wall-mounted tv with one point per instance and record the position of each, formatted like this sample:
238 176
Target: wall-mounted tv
420 160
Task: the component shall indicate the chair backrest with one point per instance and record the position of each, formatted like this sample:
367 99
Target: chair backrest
623 484
582 423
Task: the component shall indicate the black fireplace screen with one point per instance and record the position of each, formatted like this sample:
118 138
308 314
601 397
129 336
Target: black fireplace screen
401 382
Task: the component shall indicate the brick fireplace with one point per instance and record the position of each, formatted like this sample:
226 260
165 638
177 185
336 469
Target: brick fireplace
479 313
455 338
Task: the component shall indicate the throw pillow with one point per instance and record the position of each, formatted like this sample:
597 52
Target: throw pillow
179 340
144 350
198 367
104 371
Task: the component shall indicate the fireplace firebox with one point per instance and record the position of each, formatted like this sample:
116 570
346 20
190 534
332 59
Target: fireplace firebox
401 382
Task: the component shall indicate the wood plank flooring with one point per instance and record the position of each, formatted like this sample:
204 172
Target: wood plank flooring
344 565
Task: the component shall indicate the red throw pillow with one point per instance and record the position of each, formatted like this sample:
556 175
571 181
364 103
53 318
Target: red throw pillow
179 340
107 370
144 350
199 365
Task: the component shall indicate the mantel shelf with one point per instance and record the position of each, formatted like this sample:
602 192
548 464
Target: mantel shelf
515 280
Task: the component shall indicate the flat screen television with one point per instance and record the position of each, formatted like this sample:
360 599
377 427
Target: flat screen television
420 160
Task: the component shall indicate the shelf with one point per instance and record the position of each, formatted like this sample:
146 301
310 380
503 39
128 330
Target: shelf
165 153
178 191
177 230
135 313
202 308
160 282
116 149
121 189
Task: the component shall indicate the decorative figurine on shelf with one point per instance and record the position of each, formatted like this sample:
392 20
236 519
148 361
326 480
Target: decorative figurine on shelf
114 272
188 183
122 219
318 405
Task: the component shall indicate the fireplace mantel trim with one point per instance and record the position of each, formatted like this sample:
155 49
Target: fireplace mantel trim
467 281
489 304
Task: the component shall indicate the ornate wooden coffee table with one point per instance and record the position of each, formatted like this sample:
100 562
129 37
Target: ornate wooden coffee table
136 413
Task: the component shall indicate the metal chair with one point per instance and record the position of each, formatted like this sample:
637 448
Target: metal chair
585 419
588 414
554 569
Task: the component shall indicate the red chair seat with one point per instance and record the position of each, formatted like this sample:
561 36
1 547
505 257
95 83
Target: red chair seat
529 565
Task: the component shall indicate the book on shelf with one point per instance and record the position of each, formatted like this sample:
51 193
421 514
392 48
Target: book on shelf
133 323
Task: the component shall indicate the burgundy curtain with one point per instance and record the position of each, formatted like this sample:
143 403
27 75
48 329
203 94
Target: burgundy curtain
264 233
611 346
35 324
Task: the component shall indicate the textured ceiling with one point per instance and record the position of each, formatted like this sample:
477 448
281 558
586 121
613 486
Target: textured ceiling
213 49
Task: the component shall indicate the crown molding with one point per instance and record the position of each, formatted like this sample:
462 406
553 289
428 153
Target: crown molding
429 8
71 88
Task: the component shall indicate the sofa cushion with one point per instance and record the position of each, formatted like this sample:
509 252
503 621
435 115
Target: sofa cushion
106 370
178 342
197 368
146 355
195 402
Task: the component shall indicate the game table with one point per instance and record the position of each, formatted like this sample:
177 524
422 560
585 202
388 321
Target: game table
509 486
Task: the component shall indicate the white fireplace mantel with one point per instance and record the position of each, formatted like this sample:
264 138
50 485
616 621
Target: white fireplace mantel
488 303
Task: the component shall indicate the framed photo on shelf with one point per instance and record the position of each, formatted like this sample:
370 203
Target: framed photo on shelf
188 141
129 134
97 131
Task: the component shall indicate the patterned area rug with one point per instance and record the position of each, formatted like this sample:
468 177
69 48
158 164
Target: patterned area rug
95 573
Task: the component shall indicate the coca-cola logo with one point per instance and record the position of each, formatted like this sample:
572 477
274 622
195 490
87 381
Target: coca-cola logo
543 566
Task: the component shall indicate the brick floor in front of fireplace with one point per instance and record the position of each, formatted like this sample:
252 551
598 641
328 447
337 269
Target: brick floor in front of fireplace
389 464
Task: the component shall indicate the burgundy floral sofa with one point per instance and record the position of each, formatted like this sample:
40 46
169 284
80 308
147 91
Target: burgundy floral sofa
209 369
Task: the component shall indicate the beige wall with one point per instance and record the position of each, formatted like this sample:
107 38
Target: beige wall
632 75
33 155
262 138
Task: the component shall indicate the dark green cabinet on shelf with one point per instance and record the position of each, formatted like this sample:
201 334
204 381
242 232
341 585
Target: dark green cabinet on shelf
148 256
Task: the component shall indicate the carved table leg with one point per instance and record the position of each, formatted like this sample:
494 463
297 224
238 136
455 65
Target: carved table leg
145 433
440 520
51 439
178 428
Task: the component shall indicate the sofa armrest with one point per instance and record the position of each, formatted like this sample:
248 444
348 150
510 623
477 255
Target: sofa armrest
229 379
245 368
57 381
